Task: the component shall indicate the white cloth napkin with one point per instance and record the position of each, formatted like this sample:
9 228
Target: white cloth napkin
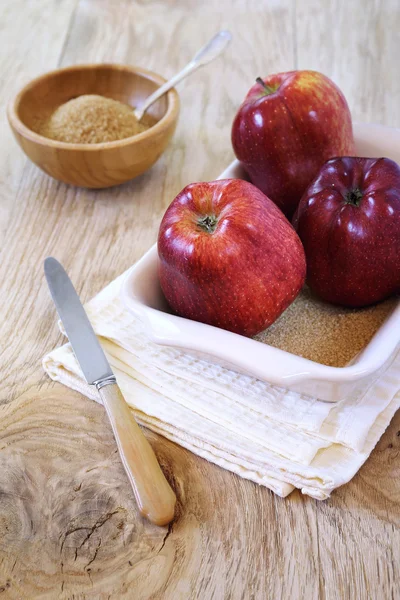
274 437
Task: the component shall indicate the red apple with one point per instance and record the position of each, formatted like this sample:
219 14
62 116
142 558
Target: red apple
287 127
349 223
229 257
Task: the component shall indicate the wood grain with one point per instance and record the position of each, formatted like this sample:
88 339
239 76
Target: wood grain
22 25
355 43
69 527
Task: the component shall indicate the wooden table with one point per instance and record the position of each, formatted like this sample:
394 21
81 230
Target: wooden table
69 527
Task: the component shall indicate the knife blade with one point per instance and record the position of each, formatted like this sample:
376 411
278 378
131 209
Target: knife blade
154 496
88 352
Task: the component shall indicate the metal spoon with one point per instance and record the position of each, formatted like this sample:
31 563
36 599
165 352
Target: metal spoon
210 51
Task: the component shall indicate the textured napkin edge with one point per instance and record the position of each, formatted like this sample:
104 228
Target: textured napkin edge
270 477
58 373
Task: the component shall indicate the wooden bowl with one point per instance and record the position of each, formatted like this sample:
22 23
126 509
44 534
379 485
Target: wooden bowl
93 165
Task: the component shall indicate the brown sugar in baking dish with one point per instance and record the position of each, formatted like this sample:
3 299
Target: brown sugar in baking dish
92 119
327 334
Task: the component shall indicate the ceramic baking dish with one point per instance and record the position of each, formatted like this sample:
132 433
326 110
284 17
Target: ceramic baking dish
141 294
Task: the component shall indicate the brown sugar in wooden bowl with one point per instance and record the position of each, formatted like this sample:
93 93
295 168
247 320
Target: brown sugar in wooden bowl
96 165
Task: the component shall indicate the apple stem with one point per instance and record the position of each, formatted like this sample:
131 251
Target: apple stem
266 87
354 197
208 223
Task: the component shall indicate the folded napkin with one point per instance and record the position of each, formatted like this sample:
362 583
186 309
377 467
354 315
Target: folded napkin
277 438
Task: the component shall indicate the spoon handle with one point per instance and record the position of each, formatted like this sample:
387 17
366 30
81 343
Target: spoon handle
210 51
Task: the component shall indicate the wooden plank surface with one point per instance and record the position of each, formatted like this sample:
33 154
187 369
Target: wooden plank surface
68 524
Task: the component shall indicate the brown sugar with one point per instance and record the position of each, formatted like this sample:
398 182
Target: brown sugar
328 334
92 119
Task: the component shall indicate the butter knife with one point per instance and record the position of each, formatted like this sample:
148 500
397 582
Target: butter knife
154 496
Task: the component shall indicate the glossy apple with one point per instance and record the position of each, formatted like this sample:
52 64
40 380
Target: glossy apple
349 223
229 257
287 127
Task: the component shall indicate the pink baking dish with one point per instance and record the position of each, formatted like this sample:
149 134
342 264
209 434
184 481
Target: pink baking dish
141 294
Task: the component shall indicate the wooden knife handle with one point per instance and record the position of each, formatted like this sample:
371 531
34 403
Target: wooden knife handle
154 496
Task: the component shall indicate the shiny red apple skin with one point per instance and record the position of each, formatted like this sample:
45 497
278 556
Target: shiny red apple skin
242 276
353 252
283 138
